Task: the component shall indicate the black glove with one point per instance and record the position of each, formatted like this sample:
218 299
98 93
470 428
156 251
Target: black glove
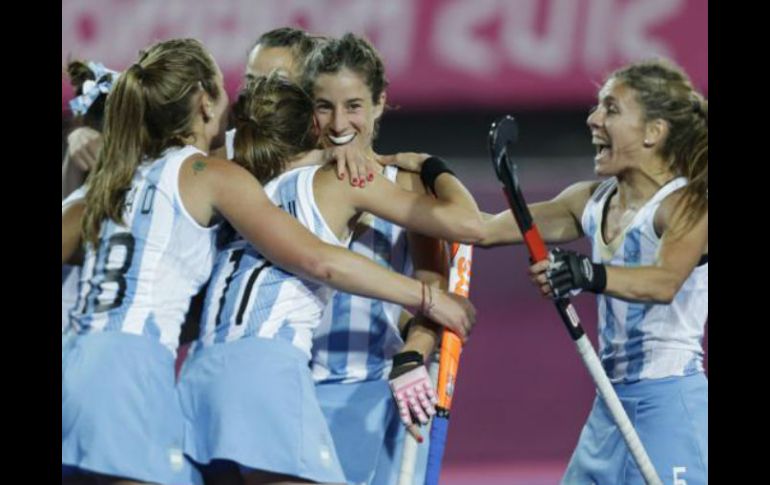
570 271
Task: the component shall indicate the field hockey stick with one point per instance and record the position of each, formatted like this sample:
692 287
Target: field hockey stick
502 135
449 362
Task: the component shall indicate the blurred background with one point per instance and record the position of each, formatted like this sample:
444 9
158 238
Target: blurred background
454 67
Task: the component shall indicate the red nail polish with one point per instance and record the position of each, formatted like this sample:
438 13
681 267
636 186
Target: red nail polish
371 177
420 439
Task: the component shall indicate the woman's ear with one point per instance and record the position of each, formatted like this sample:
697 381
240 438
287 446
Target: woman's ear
380 106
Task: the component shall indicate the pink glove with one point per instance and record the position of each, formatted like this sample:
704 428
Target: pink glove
412 388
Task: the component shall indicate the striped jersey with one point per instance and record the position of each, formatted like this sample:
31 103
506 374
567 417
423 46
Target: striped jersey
143 273
645 340
249 297
70 274
358 336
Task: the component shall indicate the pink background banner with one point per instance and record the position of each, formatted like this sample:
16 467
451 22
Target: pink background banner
439 54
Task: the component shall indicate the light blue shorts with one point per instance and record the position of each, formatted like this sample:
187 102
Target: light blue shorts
120 410
252 402
671 417
367 432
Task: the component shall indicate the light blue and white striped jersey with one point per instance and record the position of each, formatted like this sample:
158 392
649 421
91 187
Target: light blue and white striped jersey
70 274
143 274
69 292
249 297
643 340
358 336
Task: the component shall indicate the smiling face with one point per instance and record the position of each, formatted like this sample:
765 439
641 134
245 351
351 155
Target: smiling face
343 108
618 129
